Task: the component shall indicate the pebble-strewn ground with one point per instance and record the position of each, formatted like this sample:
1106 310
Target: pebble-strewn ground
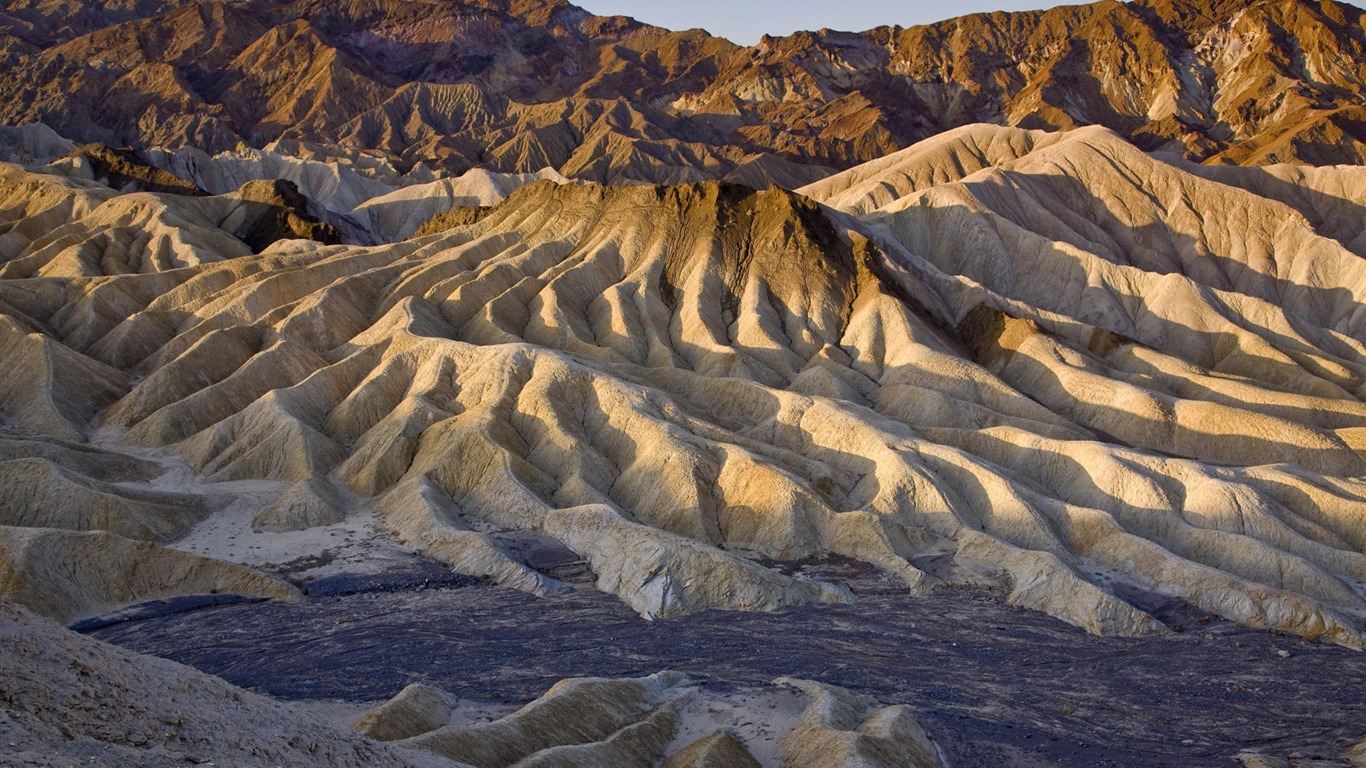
995 685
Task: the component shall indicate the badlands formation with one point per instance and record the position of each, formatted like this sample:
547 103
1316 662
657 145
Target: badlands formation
561 302
1048 364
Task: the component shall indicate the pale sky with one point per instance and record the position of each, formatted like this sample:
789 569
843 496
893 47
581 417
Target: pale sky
743 21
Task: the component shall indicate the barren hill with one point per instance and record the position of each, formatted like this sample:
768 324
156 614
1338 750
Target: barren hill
1060 309
1049 365
517 86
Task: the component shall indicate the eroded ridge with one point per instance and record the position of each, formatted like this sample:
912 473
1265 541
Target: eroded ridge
1059 368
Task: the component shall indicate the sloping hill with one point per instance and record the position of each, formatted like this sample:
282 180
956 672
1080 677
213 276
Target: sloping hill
1049 365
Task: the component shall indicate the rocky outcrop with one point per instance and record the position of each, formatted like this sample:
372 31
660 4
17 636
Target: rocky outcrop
274 210
425 518
32 144
636 722
359 193
310 504
456 217
1355 757
124 170
416 710
77 226
399 214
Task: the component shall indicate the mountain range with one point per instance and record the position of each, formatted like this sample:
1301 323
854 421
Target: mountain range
520 86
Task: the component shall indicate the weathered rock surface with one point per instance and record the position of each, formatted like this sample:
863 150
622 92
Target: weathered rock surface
1100 372
32 144
425 518
275 210
841 728
123 170
67 575
455 217
76 226
398 214
361 192
586 722
519 86
990 684
590 722
1355 757
1052 366
719 750
416 710
68 700
309 504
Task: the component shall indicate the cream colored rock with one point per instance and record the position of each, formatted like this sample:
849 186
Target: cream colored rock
661 574
639 745
397 214
1357 755
424 517
578 722
943 159
719 750
361 189
41 494
68 575
338 181
61 227
416 710
1252 760
310 504
60 392
844 729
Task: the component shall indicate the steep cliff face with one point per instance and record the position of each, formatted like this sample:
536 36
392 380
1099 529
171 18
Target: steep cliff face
519 86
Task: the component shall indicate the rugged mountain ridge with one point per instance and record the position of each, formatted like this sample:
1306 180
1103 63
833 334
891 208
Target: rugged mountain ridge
519 86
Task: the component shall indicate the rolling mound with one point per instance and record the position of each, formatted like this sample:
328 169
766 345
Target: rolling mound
70 699
1051 366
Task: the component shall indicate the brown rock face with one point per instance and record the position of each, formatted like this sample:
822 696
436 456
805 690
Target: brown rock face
518 86
274 210
456 217
123 170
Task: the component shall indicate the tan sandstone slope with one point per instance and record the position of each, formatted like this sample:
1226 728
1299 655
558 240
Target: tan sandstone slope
1052 366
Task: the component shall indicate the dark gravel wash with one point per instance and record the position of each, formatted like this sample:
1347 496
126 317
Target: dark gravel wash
995 685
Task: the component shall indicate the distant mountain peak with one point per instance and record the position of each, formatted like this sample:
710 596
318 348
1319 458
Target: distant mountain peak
611 100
